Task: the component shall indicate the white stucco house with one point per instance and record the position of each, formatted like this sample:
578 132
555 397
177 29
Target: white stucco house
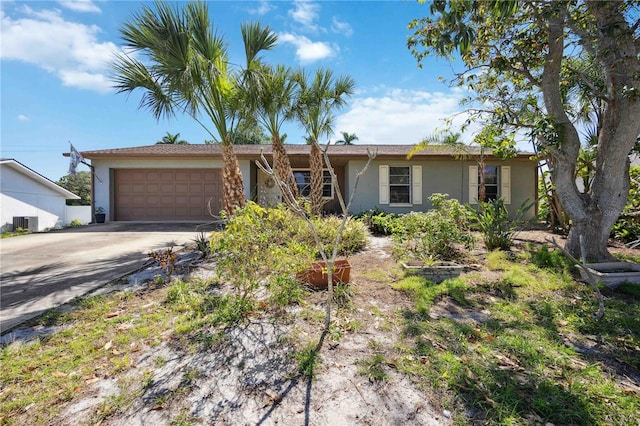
30 200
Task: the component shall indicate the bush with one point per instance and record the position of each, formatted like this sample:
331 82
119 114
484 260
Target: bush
627 228
354 235
378 221
285 290
492 218
75 223
434 235
259 242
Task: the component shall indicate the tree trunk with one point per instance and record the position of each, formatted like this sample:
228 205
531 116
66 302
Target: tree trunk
315 165
232 180
594 214
282 165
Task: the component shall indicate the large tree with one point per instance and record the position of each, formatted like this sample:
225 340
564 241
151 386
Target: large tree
79 184
519 58
318 96
182 66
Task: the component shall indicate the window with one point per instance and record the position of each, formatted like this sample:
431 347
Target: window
497 183
303 178
490 182
399 185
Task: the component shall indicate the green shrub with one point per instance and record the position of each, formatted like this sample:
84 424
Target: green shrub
492 219
354 235
75 223
285 290
433 235
260 242
551 259
627 228
378 221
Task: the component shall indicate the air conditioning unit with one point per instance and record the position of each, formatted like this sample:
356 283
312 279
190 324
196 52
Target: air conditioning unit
25 222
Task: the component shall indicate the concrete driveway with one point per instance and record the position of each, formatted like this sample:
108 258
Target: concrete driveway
41 271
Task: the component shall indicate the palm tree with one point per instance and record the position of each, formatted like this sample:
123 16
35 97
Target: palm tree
316 99
347 139
184 67
170 139
271 100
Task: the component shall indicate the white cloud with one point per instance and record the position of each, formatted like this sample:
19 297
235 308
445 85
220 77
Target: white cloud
263 8
85 80
305 13
22 117
80 5
400 117
308 51
340 27
68 49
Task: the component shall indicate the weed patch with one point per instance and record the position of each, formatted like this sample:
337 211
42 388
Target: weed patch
532 361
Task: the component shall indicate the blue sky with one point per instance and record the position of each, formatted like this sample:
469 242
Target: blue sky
55 85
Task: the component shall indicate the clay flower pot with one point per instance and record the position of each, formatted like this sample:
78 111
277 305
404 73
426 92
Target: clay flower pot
316 275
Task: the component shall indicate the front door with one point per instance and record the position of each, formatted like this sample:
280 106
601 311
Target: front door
268 192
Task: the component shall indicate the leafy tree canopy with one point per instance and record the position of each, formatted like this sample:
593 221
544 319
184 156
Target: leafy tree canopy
529 66
80 184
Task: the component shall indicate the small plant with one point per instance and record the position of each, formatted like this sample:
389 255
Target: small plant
203 245
373 368
308 359
75 223
165 259
99 210
285 290
498 230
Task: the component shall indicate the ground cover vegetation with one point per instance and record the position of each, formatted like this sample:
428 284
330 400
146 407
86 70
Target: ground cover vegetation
512 343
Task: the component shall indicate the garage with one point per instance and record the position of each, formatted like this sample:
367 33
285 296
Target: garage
167 194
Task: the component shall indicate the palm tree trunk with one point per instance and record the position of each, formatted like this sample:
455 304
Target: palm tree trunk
282 165
232 180
315 166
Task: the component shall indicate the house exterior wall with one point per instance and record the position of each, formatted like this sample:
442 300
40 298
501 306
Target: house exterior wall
438 176
103 190
23 196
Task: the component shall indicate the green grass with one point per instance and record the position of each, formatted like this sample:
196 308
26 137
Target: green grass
97 340
518 366
374 368
425 292
308 359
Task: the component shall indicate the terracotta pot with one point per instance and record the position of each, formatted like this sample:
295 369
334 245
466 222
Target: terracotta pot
317 276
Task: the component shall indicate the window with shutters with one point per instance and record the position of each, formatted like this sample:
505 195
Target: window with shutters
497 183
490 182
399 185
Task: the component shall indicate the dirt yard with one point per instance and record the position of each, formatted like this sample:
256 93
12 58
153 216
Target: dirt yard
251 375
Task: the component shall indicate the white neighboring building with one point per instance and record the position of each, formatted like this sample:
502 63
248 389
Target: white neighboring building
30 200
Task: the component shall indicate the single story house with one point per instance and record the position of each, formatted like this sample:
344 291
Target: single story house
30 200
182 182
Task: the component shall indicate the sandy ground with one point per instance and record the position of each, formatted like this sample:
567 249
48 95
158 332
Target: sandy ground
250 376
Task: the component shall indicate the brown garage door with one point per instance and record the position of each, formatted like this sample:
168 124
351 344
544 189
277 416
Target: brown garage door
167 194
